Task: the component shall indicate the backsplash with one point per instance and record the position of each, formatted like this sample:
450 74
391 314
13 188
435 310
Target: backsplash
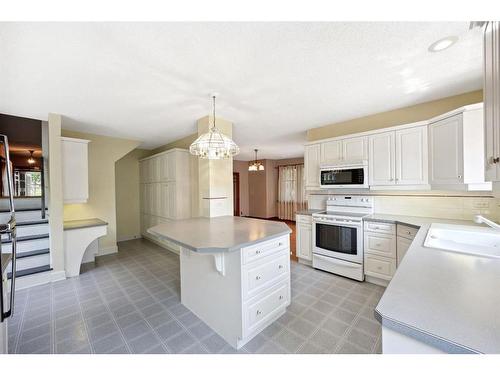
444 207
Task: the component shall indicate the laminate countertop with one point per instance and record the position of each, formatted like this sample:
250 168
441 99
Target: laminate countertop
445 299
219 234
84 223
308 212
5 262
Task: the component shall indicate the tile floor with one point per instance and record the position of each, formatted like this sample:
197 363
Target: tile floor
129 303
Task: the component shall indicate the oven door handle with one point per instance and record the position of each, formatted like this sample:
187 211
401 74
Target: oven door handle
339 262
339 223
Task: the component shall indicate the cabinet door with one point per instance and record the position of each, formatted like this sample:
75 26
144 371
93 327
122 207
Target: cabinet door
164 167
172 203
311 164
304 241
381 160
411 156
403 244
331 152
355 149
446 151
491 100
167 202
75 172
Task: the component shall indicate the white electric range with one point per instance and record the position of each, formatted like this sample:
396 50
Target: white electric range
338 235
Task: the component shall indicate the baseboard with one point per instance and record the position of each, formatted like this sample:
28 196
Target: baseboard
305 262
39 279
128 238
107 250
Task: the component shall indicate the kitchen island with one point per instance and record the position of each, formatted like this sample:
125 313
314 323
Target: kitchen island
235 272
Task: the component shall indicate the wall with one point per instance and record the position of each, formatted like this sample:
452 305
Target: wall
241 167
103 154
128 224
400 116
180 143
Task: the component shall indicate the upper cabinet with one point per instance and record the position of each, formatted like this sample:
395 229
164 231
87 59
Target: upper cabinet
75 170
399 157
491 93
344 150
456 150
311 165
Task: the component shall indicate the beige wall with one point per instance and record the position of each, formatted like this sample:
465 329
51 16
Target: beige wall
128 223
103 153
400 116
180 143
241 167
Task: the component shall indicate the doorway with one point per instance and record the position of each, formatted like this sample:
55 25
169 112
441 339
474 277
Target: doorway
236 194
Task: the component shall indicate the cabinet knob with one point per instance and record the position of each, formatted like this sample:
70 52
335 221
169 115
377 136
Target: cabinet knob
280 298
280 267
459 176
258 312
257 277
257 251
280 244
408 232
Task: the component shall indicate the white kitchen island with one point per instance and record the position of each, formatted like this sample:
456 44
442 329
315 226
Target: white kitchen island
235 272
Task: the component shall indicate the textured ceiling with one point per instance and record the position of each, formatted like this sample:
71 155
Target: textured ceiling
151 81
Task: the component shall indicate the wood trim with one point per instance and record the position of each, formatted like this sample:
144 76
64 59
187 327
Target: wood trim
236 194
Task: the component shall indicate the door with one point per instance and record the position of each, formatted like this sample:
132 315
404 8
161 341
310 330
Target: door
236 194
304 241
411 156
331 152
446 151
355 149
311 165
381 161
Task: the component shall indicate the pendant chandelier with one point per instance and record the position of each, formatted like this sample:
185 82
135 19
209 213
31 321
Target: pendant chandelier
214 144
256 165
31 160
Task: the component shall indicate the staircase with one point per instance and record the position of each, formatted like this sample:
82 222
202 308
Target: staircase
33 248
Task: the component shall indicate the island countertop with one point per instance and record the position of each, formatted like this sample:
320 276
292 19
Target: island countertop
445 299
219 234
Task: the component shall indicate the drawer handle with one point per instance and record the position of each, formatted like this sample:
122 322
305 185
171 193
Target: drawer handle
280 267
257 277
408 232
280 298
259 312
257 251
280 244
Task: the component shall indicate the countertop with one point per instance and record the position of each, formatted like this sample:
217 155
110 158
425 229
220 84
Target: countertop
307 212
5 262
445 299
413 221
84 223
219 234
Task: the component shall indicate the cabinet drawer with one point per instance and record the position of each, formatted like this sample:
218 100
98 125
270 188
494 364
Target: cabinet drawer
262 249
263 307
306 219
380 244
258 277
373 226
380 267
406 231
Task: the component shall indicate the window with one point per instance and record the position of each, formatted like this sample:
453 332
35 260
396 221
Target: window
27 183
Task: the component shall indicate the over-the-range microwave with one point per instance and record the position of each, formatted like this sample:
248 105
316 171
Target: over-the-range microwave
352 175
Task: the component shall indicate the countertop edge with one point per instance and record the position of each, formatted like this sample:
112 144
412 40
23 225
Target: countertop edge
90 224
422 336
215 250
392 221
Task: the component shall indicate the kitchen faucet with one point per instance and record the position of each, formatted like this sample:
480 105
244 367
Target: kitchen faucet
481 219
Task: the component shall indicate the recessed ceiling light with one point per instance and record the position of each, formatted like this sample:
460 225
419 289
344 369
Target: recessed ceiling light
443 44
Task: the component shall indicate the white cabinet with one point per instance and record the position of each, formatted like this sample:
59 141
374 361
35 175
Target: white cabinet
491 93
399 157
304 237
456 150
446 151
311 165
379 251
75 170
165 189
381 161
412 156
355 149
344 150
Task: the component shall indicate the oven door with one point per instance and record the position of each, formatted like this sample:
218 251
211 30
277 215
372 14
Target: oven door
338 239
344 177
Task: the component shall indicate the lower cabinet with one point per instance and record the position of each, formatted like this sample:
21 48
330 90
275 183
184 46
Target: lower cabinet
304 237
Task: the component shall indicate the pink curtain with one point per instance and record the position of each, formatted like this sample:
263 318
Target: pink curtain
291 191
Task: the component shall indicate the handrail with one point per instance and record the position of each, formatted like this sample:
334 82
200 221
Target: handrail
10 229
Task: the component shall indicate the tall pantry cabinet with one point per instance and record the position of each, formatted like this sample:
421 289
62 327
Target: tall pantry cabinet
165 190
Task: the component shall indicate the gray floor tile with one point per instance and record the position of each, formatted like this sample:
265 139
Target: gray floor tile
337 327
168 330
200 330
302 327
159 319
195 349
128 320
254 345
272 348
97 333
214 343
289 341
108 343
325 340
136 330
143 343
179 343
348 348
35 345
369 326
310 348
361 339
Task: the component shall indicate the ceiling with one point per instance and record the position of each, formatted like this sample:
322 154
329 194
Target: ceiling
151 81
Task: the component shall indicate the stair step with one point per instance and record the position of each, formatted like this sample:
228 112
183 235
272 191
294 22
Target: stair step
26 238
28 254
23 215
32 222
31 271
35 260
